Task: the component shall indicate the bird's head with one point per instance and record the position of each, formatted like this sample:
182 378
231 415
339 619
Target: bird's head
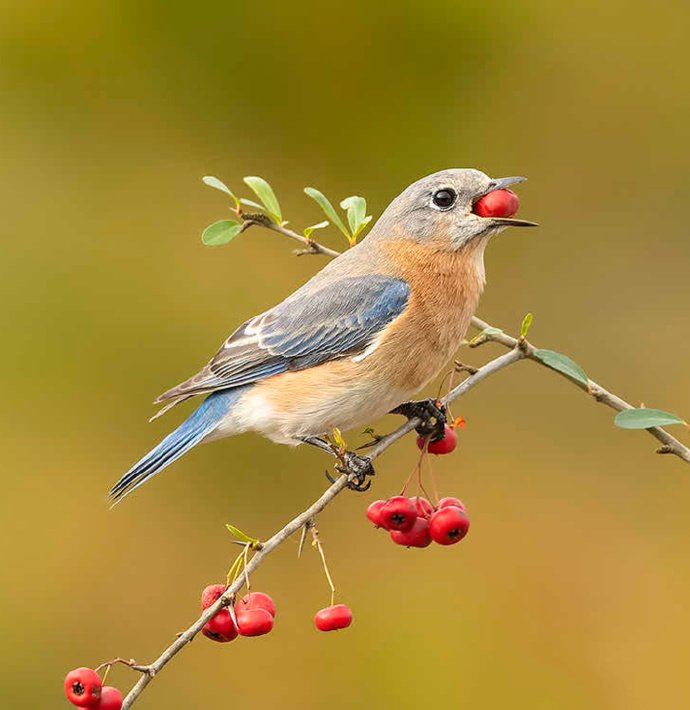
440 209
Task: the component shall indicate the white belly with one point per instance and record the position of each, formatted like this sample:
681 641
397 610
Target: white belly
292 421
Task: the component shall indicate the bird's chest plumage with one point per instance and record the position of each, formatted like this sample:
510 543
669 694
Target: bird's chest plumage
445 290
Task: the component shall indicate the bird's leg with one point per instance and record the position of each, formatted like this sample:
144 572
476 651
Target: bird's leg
319 443
432 413
354 465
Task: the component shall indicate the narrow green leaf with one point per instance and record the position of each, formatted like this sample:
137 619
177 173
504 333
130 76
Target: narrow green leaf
645 418
236 532
562 363
356 211
265 193
327 207
221 232
320 225
526 323
218 185
251 203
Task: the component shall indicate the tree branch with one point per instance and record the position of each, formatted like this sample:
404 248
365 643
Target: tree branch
519 349
262 220
265 548
670 445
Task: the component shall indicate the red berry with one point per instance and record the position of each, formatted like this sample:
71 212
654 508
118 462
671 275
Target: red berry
423 507
398 513
374 512
497 203
254 622
416 536
451 503
333 617
111 699
220 627
442 446
83 687
212 594
256 600
448 525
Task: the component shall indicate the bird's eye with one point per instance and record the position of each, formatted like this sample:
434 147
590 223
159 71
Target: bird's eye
444 198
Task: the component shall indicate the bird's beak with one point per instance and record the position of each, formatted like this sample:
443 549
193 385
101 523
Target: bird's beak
499 184
512 222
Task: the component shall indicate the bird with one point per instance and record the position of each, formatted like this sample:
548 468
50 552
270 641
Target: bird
358 340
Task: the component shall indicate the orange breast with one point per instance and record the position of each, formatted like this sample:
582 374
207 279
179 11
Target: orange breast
445 291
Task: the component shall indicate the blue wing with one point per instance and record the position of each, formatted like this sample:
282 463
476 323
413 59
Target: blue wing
310 327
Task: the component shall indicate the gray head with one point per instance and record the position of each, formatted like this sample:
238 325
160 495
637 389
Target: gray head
438 208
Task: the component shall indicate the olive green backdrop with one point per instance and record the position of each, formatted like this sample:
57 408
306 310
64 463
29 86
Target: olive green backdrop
572 588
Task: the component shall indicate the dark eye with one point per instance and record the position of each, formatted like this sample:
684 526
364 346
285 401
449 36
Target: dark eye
444 198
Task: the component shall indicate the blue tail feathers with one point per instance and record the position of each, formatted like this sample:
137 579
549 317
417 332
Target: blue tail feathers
192 430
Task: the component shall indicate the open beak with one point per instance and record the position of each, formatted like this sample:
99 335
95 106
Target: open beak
500 184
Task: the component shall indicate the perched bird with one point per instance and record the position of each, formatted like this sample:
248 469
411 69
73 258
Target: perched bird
358 340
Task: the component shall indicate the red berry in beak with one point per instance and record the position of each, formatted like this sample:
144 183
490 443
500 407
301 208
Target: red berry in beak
398 513
333 617
417 536
374 512
497 203
212 594
451 503
442 446
220 628
448 525
83 687
111 699
254 622
256 600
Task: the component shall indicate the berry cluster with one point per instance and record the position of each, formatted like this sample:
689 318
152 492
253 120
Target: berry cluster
415 522
254 613
84 688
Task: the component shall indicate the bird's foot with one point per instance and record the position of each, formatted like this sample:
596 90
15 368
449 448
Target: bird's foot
431 412
358 467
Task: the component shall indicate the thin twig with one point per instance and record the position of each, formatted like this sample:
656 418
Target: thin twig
262 220
670 445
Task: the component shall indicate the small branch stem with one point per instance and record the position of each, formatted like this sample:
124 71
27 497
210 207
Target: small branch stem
264 221
316 541
671 445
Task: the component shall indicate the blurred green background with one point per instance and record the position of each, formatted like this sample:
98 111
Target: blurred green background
572 589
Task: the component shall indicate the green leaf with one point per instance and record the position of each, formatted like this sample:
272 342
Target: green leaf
562 363
327 207
320 225
218 185
236 532
356 211
645 418
250 203
526 323
221 232
265 193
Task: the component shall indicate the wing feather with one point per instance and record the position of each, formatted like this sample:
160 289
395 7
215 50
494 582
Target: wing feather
310 327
